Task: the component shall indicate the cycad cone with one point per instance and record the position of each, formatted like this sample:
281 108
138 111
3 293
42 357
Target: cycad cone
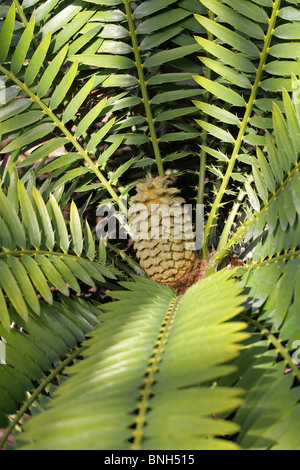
169 257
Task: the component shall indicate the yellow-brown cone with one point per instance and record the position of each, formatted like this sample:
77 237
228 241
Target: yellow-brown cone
166 249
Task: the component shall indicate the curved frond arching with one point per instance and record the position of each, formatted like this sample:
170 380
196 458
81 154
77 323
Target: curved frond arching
234 60
138 347
137 37
270 412
127 52
38 250
45 342
273 216
40 126
272 226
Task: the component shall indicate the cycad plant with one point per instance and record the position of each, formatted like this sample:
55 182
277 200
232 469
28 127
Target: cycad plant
174 347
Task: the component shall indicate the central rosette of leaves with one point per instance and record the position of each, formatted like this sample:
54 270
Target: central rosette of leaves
162 230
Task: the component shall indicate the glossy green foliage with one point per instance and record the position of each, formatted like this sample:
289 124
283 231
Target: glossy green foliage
269 415
94 96
169 392
45 342
38 249
90 36
240 47
274 196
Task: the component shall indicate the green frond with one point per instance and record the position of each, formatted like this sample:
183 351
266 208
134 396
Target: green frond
40 124
277 180
148 27
38 248
145 369
42 346
273 287
234 60
95 96
269 414
92 35
273 193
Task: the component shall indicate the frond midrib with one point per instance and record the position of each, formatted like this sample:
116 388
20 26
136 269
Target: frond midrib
34 252
238 141
151 371
73 355
46 110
